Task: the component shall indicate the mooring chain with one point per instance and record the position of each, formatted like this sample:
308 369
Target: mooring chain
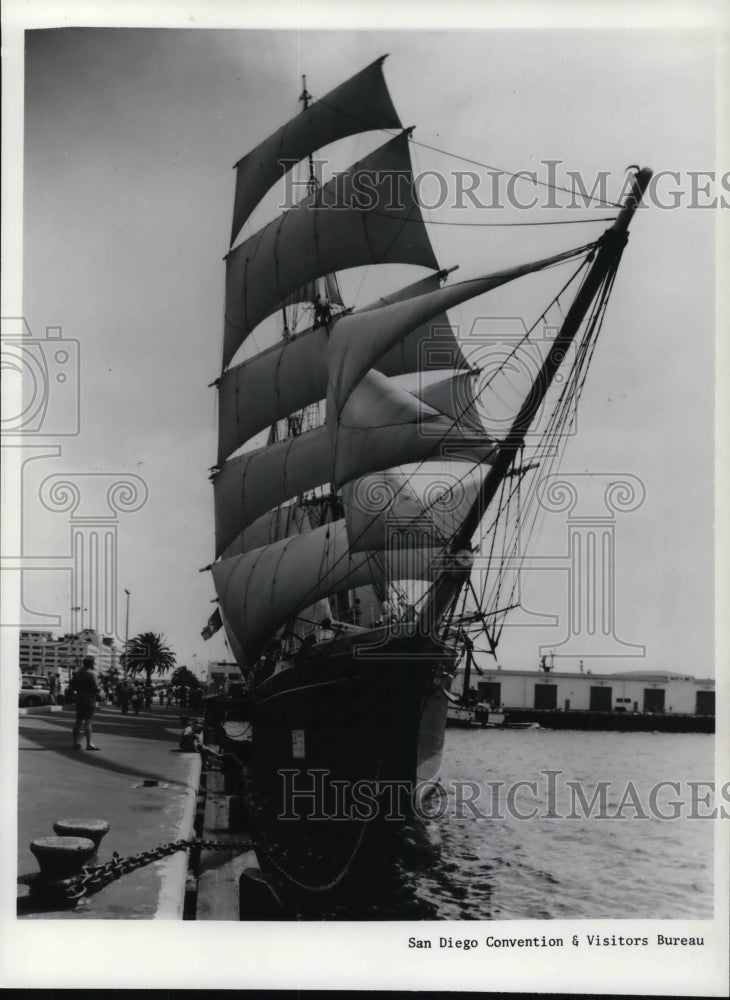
93 878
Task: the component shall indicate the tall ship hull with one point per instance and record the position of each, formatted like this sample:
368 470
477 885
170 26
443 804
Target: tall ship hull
347 749
357 711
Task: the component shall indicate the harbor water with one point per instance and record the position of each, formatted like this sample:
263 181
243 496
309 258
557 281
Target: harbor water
541 824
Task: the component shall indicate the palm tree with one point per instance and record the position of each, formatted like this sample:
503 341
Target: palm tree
183 676
147 653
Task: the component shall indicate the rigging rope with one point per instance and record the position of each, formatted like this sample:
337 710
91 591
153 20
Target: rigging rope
605 203
487 225
378 557
549 449
336 203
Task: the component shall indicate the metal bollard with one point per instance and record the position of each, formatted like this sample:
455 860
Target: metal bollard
92 829
60 860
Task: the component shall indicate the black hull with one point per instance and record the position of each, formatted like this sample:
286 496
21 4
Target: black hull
346 745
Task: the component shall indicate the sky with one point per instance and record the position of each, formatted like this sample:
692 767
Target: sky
130 136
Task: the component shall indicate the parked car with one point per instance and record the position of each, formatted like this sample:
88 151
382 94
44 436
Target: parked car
34 691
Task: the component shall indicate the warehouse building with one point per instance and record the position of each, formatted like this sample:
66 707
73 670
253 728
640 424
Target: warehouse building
624 691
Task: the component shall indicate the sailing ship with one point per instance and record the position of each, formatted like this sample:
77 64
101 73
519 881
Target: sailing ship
358 477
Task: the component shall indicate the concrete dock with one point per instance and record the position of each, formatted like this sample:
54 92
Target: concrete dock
139 782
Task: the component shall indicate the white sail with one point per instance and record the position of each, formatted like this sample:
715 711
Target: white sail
231 639
331 229
431 283
431 346
398 509
381 424
358 105
359 340
457 397
251 484
281 522
261 590
296 371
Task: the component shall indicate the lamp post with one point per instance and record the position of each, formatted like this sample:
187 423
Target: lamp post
74 618
75 608
126 635
75 636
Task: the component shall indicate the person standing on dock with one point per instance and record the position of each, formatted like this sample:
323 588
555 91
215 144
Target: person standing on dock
85 685
125 695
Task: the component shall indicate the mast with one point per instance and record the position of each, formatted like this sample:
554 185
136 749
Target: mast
611 246
305 97
467 670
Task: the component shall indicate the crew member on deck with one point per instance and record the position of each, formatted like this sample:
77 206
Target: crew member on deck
321 312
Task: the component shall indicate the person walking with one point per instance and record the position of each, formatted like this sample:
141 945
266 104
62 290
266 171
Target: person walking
125 696
137 696
85 685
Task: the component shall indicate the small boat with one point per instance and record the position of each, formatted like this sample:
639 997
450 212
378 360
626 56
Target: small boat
462 717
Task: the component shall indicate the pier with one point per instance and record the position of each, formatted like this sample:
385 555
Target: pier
622 722
150 794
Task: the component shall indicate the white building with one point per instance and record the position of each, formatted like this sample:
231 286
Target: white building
624 691
40 652
220 673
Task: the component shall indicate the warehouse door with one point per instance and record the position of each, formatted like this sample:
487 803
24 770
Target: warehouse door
705 703
654 699
546 695
601 699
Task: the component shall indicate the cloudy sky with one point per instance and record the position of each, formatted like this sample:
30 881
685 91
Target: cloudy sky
130 136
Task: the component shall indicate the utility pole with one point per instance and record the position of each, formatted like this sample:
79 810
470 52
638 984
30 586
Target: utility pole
73 647
126 635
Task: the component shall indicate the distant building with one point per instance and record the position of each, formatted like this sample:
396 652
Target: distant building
625 691
41 652
220 673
